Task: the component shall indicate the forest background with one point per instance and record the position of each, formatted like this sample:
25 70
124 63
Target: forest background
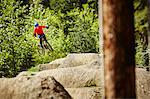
73 28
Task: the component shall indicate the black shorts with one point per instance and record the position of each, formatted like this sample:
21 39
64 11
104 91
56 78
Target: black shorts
41 36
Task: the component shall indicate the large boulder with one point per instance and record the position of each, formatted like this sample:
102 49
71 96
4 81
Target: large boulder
74 76
32 88
73 60
52 65
79 76
94 64
142 83
86 92
76 72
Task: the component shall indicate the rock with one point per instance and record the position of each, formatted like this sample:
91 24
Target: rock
58 61
74 76
76 72
23 73
78 59
32 88
47 66
73 60
80 76
26 73
86 92
52 65
142 83
95 64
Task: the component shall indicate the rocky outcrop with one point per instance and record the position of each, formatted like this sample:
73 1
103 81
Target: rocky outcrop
85 75
142 83
86 92
73 60
52 65
32 88
81 75
74 76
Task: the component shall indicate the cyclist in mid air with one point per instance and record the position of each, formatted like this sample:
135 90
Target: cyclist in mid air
39 31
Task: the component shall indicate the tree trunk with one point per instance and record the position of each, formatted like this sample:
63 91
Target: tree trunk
119 49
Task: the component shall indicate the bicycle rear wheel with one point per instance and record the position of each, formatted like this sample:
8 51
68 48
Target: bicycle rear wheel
48 46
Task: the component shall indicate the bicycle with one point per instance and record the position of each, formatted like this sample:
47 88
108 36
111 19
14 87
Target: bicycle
46 46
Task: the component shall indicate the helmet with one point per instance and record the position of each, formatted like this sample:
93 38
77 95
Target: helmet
36 24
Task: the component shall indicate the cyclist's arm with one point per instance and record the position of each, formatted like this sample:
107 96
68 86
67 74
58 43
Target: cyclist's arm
34 32
43 26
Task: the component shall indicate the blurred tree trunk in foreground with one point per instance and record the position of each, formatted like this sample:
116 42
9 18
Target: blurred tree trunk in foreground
119 49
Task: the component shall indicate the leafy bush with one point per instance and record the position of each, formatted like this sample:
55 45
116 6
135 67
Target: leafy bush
83 30
141 33
34 69
16 50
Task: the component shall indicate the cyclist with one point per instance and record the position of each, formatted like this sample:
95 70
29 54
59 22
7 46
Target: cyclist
39 31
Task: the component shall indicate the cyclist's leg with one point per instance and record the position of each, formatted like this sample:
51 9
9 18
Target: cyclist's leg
40 37
45 40
44 37
41 43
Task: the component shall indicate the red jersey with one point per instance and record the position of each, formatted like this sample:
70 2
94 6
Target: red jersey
39 30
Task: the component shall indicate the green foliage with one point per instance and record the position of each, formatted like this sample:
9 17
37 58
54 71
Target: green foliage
76 31
16 51
83 30
63 5
141 27
33 69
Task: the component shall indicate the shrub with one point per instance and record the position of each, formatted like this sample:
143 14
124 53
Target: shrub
16 50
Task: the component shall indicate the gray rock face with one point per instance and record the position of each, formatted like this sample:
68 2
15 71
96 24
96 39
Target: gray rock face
143 83
73 60
52 65
86 93
77 71
74 76
80 74
32 88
